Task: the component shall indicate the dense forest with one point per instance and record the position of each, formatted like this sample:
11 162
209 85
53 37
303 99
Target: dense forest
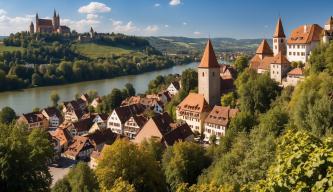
50 59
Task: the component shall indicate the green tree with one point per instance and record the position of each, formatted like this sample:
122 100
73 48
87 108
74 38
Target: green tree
183 163
256 91
130 89
82 179
23 159
154 147
241 63
303 163
36 80
7 115
61 185
189 80
126 160
54 97
121 185
229 99
311 105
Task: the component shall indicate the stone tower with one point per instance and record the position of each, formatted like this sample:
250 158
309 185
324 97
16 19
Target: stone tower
279 39
209 76
37 23
55 21
32 28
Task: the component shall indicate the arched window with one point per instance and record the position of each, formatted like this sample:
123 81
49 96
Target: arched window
203 74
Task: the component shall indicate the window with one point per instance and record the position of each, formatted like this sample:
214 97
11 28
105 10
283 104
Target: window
298 46
303 54
294 53
275 40
294 46
213 74
289 53
275 47
289 46
297 53
203 74
281 40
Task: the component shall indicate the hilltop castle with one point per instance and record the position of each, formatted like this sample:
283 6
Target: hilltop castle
49 25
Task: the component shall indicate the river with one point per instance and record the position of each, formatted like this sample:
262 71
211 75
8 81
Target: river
23 101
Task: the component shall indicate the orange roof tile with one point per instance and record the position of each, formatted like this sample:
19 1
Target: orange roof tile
264 48
209 59
221 115
330 21
280 59
305 34
279 32
194 102
296 71
265 63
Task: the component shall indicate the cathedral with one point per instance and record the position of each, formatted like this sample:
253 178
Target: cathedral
49 25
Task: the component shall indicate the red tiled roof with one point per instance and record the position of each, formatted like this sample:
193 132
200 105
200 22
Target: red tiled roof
305 34
125 112
63 135
194 102
279 32
33 117
209 59
221 115
45 22
77 146
180 133
296 71
280 59
264 48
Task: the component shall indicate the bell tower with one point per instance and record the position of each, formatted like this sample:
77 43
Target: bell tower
209 76
279 39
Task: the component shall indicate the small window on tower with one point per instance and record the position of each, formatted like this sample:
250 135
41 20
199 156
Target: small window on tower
274 40
281 40
203 74
213 74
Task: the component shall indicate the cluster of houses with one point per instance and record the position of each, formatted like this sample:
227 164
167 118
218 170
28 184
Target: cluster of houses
78 134
296 48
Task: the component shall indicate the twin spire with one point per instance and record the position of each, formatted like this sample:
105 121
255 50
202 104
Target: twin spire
209 58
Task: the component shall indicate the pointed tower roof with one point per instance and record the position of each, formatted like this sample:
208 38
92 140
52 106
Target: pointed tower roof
279 32
330 21
54 13
31 24
209 59
264 48
91 29
280 59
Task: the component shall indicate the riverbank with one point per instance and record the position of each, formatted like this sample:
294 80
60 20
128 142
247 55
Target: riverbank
25 100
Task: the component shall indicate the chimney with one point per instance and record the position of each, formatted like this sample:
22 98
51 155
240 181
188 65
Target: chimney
305 28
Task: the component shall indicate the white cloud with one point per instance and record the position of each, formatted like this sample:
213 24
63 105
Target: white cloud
184 23
150 29
166 26
197 33
91 16
121 27
94 7
3 12
174 2
13 24
157 5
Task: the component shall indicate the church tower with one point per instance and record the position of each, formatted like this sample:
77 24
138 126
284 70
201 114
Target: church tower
279 39
32 28
55 21
209 76
37 24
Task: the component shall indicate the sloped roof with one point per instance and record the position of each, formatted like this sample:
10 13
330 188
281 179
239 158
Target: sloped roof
63 135
265 63
227 72
264 48
194 102
33 117
100 137
209 59
280 59
176 84
279 32
330 21
221 115
179 133
305 34
125 112
51 111
297 71
45 22
83 124
79 144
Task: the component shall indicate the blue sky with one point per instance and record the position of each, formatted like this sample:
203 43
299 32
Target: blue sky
192 18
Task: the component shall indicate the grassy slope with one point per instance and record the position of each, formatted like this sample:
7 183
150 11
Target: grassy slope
93 50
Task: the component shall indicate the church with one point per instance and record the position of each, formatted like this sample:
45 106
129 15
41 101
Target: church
213 81
49 25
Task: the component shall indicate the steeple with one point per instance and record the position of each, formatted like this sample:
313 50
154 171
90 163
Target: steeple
209 59
279 32
264 48
54 13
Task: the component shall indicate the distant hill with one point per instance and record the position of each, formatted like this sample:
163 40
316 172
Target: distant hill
188 45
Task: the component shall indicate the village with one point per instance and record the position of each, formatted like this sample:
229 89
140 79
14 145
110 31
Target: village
78 134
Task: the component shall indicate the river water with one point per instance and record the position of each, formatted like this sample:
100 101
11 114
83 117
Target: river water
23 101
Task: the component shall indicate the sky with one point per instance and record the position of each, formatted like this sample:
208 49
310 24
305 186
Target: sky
191 18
